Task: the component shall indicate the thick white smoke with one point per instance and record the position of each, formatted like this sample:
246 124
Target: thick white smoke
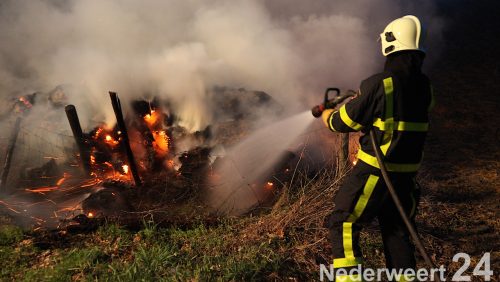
180 49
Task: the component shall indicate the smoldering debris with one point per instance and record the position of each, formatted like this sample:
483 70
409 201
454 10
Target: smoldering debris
57 190
191 60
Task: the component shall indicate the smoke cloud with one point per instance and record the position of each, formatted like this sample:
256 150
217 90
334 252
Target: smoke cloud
181 49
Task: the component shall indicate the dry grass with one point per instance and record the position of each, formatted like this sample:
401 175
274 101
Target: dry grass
298 217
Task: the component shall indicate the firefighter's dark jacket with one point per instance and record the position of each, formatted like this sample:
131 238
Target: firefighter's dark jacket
395 103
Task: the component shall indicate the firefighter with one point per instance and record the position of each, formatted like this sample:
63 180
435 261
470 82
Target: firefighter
395 104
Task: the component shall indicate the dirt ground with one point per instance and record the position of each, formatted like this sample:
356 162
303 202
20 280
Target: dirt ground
461 167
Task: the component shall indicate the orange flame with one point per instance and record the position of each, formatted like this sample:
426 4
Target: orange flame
152 118
161 140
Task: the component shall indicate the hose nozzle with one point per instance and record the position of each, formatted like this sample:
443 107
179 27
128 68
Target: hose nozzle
317 110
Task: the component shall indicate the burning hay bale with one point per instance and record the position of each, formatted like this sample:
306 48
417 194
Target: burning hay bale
174 163
241 104
57 97
152 124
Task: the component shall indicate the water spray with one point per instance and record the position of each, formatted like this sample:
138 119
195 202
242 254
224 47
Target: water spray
250 161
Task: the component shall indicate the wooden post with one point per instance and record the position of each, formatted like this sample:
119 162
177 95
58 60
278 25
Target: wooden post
74 122
9 154
344 152
117 108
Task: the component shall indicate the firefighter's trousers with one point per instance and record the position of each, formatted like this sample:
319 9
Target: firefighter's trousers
363 197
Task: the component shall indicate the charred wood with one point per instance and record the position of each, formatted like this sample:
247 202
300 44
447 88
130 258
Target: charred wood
76 128
9 154
115 101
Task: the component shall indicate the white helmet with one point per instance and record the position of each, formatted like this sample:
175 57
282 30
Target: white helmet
405 33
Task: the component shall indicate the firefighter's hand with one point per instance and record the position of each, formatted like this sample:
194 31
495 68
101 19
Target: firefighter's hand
326 115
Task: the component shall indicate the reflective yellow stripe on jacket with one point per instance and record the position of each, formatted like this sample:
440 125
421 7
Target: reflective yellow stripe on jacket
347 120
389 125
401 126
371 160
389 114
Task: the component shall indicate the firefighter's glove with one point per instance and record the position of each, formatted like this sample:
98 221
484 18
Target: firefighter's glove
325 116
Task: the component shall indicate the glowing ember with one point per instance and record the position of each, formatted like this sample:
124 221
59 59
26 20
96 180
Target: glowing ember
42 190
8 207
61 181
110 140
125 169
25 102
269 185
170 164
98 132
90 215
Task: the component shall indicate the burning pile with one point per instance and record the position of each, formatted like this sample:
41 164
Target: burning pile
113 150
139 164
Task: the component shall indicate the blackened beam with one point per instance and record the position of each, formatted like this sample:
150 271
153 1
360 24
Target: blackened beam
117 108
344 152
9 154
83 148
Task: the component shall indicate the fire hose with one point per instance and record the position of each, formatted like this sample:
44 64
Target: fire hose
332 103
